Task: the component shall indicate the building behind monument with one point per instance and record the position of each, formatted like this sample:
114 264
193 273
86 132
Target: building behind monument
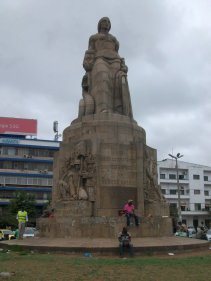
26 163
195 190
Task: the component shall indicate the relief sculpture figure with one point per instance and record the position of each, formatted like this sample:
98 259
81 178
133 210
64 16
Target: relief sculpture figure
152 191
77 179
106 74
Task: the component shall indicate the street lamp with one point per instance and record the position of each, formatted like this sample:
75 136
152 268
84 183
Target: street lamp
178 188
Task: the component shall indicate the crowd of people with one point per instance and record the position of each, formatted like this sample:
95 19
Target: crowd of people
196 232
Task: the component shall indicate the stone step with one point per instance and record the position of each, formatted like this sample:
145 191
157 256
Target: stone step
101 227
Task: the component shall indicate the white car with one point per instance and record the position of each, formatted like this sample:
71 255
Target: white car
208 235
30 232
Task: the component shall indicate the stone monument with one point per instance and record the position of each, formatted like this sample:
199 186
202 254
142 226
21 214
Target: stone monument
104 160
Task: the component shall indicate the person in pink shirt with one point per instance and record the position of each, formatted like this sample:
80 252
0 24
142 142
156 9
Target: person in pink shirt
129 211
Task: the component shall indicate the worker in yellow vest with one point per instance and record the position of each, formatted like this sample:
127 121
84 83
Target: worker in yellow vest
22 218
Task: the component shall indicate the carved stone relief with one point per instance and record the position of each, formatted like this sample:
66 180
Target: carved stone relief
77 176
152 191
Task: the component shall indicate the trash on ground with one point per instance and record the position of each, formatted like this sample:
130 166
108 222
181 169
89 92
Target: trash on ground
6 274
87 255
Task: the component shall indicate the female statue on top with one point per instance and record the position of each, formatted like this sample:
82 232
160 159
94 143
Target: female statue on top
106 88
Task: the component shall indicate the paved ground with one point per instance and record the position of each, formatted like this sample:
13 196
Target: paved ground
109 246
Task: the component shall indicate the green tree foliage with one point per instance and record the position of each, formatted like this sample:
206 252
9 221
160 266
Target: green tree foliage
173 212
8 219
174 216
23 200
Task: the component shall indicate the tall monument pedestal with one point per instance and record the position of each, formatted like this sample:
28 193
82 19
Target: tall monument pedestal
110 150
107 156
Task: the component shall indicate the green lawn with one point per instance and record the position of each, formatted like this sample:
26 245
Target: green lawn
37 267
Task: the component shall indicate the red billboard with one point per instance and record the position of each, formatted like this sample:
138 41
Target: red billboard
18 126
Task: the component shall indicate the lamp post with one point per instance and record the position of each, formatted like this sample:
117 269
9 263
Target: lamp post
178 188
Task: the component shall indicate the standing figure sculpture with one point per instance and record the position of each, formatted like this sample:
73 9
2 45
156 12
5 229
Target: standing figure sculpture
107 73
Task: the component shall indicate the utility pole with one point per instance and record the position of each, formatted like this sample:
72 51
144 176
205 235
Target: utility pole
178 187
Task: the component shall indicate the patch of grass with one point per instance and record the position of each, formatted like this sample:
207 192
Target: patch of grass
53 267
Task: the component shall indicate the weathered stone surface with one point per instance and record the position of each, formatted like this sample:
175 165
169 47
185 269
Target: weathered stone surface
104 160
105 86
102 227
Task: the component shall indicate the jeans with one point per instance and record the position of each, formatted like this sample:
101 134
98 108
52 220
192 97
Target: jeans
122 246
128 216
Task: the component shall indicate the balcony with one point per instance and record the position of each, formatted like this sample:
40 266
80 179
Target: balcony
175 196
202 212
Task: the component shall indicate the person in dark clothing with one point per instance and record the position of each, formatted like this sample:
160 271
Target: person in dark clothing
124 238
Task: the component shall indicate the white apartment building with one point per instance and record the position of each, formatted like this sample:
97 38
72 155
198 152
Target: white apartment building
195 189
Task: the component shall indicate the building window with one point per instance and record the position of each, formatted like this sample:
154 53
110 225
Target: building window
197 191
26 181
163 191
196 177
206 192
197 207
182 192
162 176
45 196
173 191
205 178
173 205
207 207
181 177
183 208
172 176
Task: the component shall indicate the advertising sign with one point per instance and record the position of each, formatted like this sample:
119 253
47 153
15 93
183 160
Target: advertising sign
18 126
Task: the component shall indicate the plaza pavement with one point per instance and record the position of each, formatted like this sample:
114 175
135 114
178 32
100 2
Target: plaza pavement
102 246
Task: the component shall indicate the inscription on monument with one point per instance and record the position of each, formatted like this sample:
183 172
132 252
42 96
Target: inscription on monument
118 165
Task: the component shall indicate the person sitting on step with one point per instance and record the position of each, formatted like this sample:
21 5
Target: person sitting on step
124 238
129 210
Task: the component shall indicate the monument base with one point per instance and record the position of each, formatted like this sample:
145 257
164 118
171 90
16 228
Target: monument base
75 220
104 161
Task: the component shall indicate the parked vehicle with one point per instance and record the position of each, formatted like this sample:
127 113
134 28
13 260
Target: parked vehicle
6 234
30 232
181 234
191 228
208 235
191 232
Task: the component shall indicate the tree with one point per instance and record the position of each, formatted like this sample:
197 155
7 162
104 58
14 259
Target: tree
174 215
26 201
8 219
22 199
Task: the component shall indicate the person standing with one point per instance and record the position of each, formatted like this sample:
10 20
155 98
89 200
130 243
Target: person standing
129 210
124 238
22 218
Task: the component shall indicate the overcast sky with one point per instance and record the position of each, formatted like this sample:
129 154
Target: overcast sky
167 48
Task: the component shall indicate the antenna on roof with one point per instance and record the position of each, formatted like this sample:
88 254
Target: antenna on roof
56 130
